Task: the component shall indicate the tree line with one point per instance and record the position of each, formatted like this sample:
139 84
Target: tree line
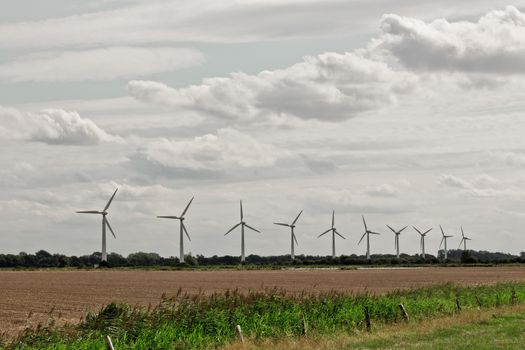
44 259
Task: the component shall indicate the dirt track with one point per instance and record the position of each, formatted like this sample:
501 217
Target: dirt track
30 297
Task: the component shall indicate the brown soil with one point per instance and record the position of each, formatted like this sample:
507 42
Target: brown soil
31 297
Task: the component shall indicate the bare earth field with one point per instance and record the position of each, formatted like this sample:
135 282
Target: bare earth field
32 297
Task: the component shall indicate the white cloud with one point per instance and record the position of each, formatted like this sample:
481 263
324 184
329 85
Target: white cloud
383 190
482 186
52 126
226 150
99 64
327 87
493 44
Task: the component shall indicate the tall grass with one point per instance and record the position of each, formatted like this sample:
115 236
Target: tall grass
202 322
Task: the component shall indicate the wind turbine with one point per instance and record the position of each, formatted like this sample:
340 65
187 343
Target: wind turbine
182 228
367 233
105 223
422 240
292 227
334 232
396 241
444 239
464 240
242 224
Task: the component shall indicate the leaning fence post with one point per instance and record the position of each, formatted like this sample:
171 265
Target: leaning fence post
367 319
478 301
109 344
513 297
305 325
403 312
239 333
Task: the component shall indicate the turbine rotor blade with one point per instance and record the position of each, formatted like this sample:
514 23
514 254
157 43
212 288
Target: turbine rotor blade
460 242
242 216
110 200
398 232
295 239
337 233
251 228
364 222
333 218
233 228
297 218
89 212
168 217
106 221
440 244
427 231
280 223
187 206
185 231
417 230
442 232
363 236
324 233
391 229
374 233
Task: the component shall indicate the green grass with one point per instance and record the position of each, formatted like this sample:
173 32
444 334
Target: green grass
202 322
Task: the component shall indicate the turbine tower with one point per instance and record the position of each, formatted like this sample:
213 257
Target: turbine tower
422 240
292 227
182 229
396 240
105 223
334 232
464 240
367 233
242 224
444 239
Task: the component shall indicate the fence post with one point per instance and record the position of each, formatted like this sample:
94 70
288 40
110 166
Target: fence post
367 319
403 312
458 306
109 344
239 333
305 325
478 301
513 297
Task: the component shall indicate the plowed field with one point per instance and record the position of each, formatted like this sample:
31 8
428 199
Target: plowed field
30 297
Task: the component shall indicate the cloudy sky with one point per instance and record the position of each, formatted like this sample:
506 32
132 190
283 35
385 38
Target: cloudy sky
407 112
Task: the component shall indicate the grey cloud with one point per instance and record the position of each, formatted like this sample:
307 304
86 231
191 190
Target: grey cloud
493 44
51 126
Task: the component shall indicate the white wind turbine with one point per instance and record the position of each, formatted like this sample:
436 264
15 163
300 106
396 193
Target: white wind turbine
182 229
367 233
242 224
464 240
292 227
422 240
396 240
334 232
105 223
444 239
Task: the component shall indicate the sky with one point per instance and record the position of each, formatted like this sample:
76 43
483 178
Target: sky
406 112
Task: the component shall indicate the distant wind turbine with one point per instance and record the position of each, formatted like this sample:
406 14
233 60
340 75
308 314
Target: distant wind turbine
444 239
242 224
292 227
182 228
105 223
422 240
396 240
367 234
464 240
334 232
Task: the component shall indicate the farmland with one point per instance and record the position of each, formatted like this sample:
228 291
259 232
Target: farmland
32 297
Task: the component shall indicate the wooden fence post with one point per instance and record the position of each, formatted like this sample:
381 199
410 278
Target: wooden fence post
513 297
109 344
478 300
239 333
458 306
305 325
403 312
367 320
